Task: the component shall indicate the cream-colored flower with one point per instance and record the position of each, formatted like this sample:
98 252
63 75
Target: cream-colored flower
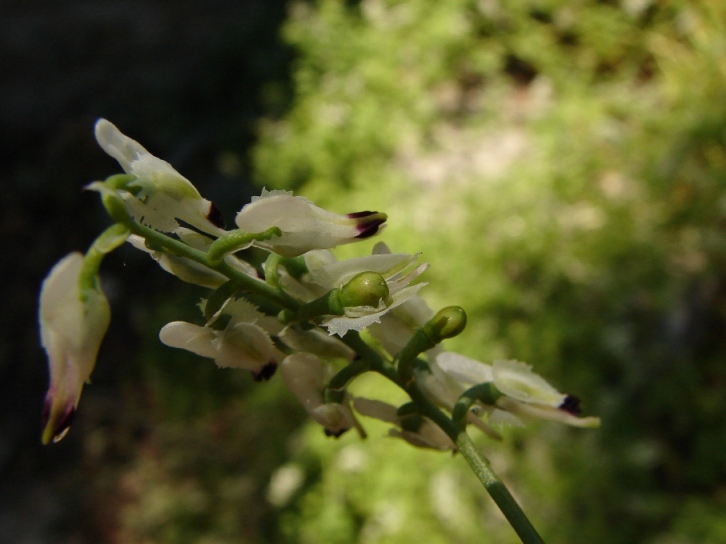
244 342
73 322
522 391
159 196
304 226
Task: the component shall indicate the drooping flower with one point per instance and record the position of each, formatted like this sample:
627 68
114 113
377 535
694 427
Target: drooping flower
73 321
416 430
188 270
397 269
242 342
522 391
305 376
304 226
159 196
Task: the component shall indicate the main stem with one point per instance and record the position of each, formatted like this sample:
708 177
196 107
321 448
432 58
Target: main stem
481 467
497 490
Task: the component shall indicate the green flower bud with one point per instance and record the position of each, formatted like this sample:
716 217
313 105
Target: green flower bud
365 289
447 323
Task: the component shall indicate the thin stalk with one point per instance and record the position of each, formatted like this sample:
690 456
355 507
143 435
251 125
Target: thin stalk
245 282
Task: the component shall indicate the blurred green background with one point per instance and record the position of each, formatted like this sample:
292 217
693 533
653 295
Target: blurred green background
561 165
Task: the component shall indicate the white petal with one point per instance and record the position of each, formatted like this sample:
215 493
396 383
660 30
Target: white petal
120 147
376 409
516 380
341 324
428 436
464 370
305 226
303 375
547 412
246 346
315 341
339 273
199 340
336 418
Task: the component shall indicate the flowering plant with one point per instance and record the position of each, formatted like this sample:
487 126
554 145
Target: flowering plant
315 309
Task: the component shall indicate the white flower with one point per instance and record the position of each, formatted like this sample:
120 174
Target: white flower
243 343
425 435
190 271
162 195
397 269
304 226
305 376
73 322
523 391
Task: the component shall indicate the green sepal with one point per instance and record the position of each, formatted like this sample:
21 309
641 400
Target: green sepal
328 304
122 182
107 241
295 266
486 393
236 240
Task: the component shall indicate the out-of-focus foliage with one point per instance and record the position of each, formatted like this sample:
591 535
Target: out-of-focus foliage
562 165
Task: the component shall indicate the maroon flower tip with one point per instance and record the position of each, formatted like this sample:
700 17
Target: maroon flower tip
571 405
64 422
335 434
266 372
366 230
358 215
46 408
215 216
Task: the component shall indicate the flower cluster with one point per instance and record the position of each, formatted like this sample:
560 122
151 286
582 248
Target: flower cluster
302 311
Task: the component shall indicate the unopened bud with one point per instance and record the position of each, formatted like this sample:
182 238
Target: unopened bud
447 323
365 289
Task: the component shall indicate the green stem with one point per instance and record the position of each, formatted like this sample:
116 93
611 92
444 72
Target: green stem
497 490
245 282
235 240
107 241
481 467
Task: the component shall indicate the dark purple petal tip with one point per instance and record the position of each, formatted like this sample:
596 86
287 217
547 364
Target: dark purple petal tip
335 434
367 230
571 405
266 372
215 216
358 215
61 425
